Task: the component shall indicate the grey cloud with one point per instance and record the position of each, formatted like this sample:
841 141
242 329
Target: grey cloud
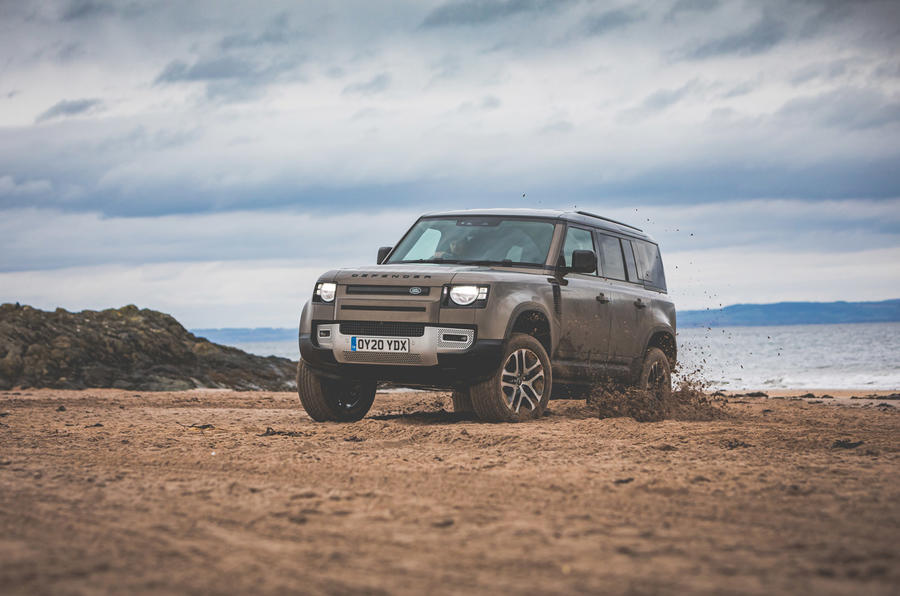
611 20
478 12
377 84
86 9
658 101
691 6
557 127
489 102
821 70
228 78
70 51
224 67
760 37
277 32
70 107
739 90
848 108
888 70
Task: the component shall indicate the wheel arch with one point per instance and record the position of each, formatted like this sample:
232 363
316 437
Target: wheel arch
664 339
532 319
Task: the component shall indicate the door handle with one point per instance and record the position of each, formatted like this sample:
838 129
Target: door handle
602 299
640 304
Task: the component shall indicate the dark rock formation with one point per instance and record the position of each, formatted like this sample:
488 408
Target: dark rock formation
126 348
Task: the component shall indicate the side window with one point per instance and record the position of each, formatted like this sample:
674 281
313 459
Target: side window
630 267
576 239
612 265
649 263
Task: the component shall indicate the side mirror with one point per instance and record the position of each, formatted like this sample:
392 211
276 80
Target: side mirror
383 252
584 261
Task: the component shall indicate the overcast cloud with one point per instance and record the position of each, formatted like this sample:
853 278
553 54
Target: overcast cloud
151 136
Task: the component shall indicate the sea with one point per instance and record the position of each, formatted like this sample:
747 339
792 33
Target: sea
849 356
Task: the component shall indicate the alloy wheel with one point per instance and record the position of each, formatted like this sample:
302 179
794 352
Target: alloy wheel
522 381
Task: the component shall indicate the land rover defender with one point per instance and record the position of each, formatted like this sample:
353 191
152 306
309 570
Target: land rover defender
503 307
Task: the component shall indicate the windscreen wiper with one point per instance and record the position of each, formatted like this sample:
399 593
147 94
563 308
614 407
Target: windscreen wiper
488 262
450 261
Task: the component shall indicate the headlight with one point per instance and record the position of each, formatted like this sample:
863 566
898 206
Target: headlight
466 295
325 291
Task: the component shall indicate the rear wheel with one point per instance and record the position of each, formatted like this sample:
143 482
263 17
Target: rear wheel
520 389
656 375
330 399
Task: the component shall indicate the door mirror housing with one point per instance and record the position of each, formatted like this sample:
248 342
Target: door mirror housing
383 252
584 261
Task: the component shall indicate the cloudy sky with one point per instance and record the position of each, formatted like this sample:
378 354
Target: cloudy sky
210 159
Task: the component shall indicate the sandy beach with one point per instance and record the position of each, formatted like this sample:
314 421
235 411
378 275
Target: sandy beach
217 491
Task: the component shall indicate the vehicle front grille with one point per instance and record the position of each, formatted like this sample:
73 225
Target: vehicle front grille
389 290
382 358
383 329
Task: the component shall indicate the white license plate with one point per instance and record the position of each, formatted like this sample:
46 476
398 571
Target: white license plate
379 344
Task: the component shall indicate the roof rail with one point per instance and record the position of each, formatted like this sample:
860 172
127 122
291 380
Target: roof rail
608 219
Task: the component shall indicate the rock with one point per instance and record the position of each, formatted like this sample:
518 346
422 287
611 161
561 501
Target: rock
61 409
735 444
846 444
125 348
623 480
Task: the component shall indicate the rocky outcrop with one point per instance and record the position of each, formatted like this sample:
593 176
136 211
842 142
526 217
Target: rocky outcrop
126 348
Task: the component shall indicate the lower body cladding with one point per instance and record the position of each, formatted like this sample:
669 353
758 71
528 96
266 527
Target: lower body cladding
423 355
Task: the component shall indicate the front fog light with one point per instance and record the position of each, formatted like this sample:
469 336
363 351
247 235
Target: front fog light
326 291
466 295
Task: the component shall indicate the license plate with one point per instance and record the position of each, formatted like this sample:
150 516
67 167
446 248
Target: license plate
379 344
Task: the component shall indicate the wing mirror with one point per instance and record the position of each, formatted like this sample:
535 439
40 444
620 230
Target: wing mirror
383 252
584 261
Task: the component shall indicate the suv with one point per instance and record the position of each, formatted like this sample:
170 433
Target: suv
503 307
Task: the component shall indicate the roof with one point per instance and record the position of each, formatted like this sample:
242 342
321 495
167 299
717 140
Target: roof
582 217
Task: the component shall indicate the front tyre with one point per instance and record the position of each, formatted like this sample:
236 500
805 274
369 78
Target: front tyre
330 399
520 389
462 401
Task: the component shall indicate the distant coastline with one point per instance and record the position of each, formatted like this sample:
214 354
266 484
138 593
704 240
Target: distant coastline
736 315
793 313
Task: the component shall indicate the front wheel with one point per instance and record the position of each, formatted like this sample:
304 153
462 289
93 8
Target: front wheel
520 389
331 399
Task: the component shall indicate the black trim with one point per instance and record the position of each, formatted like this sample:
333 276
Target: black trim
383 308
387 290
452 370
589 214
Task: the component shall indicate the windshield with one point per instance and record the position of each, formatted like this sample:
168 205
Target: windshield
478 240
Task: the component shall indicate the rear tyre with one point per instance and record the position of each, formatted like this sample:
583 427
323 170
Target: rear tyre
656 374
462 401
330 399
520 389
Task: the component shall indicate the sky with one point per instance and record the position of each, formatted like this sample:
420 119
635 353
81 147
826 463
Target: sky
211 159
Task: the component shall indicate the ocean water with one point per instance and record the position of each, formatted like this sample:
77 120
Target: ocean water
854 356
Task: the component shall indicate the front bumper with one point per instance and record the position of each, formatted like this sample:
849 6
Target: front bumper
441 357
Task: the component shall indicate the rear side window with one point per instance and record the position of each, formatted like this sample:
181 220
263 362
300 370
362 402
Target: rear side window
576 239
649 263
612 264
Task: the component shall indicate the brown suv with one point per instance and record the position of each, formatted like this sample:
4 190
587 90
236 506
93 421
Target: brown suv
501 306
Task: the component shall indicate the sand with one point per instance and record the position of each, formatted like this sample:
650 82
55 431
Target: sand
226 492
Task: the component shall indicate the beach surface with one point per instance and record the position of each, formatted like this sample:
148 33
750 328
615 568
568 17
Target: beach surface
240 492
